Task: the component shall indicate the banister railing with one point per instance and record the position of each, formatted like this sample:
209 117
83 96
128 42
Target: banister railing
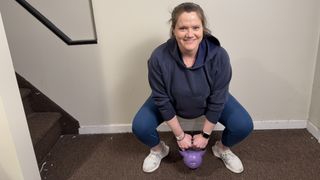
45 21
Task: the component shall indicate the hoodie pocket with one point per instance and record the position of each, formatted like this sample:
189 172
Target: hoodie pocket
190 106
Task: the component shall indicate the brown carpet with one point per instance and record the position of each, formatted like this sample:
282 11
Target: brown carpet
270 154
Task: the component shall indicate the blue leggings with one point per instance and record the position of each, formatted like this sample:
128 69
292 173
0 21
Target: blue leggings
238 123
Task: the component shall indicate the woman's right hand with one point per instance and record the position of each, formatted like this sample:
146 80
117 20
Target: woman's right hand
186 142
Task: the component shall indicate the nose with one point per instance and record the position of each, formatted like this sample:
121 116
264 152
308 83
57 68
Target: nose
189 33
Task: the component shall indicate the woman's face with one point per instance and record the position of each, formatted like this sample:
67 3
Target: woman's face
188 32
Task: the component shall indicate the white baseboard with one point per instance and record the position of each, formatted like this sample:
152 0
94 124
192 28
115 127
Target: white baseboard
192 125
105 129
313 130
280 124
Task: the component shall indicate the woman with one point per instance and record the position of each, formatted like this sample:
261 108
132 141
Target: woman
189 76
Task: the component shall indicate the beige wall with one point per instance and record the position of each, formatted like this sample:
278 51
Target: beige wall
73 17
272 45
314 115
9 164
17 159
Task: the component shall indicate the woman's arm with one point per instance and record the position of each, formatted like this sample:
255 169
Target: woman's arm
208 126
184 140
220 78
199 142
159 89
162 101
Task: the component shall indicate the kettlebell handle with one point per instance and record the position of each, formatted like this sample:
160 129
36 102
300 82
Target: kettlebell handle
193 149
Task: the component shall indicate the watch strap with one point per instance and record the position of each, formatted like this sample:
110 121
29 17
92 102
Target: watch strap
205 135
179 138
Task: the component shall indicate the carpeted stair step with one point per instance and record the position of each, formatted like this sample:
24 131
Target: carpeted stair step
25 92
45 130
35 101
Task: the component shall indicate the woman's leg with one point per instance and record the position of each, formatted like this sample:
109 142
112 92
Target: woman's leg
237 121
145 123
238 125
144 126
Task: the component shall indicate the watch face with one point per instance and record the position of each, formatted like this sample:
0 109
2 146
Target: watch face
205 135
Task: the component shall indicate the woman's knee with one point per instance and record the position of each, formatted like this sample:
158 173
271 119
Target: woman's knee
143 126
249 125
245 126
139 128
145 132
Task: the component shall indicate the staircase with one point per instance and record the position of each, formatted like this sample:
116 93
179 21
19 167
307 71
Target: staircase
46 120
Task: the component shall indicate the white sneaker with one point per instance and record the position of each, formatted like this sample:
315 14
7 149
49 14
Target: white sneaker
231 161
152 161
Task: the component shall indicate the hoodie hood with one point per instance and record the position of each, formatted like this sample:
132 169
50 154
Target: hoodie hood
203 54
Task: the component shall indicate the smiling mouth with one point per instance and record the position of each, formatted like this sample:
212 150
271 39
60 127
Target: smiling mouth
189 40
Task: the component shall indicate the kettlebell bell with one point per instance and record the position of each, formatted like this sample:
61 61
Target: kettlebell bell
192 158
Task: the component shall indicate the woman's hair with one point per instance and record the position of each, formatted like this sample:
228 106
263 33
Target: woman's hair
188 7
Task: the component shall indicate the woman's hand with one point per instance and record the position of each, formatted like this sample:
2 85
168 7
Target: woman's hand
186 142
199 142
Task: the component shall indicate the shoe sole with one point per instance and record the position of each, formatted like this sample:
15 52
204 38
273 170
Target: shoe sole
152 170
218 156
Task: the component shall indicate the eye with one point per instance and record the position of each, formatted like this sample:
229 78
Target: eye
182 28
196 27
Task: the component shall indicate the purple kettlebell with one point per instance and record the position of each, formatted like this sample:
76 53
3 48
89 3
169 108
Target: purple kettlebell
192 158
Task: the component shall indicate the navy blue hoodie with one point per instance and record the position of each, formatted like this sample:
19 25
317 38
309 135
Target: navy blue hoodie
190 92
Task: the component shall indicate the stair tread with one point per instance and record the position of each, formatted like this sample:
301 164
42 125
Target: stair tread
24 92
40 123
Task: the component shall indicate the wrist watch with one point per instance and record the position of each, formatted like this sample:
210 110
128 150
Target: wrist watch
179 138
205 135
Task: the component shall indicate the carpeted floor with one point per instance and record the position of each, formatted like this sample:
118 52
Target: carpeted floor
270 154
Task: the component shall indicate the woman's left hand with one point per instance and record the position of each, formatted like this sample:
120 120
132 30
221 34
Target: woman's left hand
199 142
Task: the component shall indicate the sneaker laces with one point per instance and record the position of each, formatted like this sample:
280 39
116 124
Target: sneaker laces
155 155
227 155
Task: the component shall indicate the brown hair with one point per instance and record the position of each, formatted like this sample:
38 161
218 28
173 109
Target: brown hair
188 7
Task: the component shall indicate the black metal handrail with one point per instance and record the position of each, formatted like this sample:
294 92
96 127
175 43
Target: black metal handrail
45 21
